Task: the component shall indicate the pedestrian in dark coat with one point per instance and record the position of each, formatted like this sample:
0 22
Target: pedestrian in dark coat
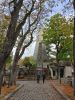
43 76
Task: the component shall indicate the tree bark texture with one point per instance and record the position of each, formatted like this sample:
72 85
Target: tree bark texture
16 59
10 38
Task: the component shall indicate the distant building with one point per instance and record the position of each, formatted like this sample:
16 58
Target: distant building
43 61
40 53
65 68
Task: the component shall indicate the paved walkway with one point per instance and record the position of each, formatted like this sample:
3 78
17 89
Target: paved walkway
34 91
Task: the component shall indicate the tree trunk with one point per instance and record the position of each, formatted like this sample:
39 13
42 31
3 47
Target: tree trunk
11 35
3 56
17 56
1 77
58 67
57 60
13 77
1 80
12 80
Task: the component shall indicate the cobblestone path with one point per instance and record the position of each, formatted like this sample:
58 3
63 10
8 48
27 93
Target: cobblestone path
34 91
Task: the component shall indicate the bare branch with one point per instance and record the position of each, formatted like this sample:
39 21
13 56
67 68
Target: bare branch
24 19
26 45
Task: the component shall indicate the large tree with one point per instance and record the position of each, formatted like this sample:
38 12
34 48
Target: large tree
31 23
59 32
18 15
19 11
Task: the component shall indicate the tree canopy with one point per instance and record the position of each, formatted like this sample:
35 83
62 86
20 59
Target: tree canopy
59 31
28 61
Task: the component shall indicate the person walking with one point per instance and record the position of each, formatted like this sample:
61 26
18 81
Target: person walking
43 76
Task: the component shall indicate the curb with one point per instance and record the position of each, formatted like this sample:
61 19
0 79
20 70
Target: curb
65 97
9 95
